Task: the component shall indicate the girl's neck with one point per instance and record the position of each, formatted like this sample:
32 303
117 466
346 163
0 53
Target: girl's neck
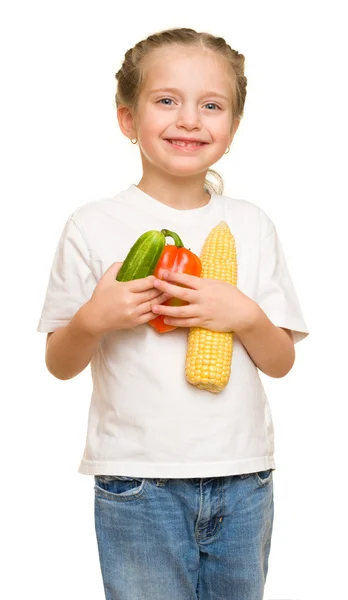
181 193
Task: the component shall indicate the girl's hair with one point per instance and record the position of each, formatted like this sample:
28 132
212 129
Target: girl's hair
130 76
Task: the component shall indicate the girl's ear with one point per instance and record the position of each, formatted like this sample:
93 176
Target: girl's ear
126 121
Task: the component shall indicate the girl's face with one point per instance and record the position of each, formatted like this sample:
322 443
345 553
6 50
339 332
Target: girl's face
183 122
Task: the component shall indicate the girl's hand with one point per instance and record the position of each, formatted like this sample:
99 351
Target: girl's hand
121 305
211 303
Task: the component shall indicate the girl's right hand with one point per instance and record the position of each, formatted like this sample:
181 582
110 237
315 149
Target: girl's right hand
121 305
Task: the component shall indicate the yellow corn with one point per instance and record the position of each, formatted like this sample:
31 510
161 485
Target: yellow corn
209 353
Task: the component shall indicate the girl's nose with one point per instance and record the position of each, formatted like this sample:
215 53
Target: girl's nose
189 117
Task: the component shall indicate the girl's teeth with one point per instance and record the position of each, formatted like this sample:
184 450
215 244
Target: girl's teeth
181 143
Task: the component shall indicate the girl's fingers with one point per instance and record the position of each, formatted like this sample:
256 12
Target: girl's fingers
176 291
192 322
141 285
146 317
152 294
158 300
149 315
180 312
146 307
191 281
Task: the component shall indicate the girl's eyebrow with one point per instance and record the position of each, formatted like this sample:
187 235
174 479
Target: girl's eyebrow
177 91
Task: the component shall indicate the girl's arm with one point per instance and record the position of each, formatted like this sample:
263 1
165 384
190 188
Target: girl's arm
113 305
270 347
69 349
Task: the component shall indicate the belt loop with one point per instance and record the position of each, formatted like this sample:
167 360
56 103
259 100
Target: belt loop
161 482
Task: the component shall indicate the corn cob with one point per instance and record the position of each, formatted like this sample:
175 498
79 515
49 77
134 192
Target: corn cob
209 353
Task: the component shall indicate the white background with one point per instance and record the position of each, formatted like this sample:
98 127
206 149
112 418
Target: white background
61 147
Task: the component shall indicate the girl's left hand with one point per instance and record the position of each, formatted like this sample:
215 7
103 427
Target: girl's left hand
211 303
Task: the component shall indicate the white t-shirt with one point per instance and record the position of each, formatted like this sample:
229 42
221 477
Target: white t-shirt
145 419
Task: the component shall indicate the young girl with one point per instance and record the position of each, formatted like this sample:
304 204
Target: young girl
183 477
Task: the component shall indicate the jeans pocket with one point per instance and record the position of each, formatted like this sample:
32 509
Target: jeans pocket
263 478
119 487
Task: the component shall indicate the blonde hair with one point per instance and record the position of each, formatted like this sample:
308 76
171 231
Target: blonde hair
130 76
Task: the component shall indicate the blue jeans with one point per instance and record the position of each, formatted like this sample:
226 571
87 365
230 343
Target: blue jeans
184 539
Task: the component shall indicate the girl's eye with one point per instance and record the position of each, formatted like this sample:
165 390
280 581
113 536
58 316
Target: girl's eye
213 104
164 100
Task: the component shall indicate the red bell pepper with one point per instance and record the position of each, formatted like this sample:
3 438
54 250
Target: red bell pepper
179 259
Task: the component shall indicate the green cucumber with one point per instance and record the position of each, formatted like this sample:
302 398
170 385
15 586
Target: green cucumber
144 255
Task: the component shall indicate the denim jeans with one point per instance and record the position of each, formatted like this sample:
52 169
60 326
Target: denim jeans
184 539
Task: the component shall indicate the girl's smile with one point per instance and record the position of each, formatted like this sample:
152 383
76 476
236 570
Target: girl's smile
185 146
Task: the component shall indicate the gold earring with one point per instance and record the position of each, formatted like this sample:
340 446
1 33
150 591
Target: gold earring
133 141
228 149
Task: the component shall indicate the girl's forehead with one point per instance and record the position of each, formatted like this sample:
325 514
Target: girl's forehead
182 66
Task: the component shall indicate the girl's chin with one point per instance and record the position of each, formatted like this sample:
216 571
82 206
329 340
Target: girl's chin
196 170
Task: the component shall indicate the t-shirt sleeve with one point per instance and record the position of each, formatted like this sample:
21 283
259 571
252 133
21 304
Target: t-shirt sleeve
276 292
71 281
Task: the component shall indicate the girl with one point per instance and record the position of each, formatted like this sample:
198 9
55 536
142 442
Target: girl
183 478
